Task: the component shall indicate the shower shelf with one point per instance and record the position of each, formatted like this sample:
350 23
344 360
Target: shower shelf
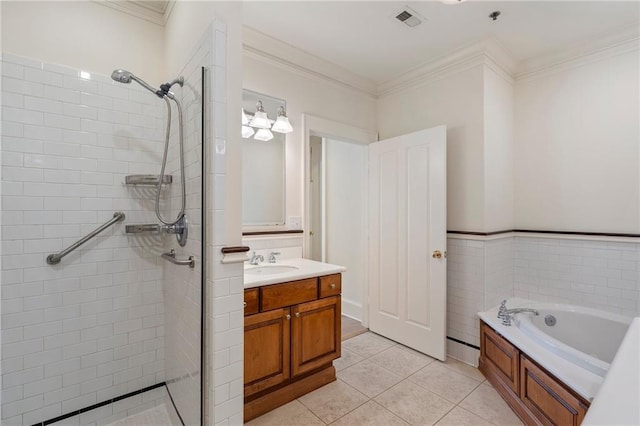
147 228
147 179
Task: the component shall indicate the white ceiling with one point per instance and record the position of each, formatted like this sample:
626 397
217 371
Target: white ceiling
363 37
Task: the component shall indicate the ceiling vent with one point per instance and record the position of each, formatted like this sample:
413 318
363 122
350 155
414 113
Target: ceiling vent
409 17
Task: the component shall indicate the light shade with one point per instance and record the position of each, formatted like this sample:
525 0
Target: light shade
282 124
263 135
245 119
247 132
260 119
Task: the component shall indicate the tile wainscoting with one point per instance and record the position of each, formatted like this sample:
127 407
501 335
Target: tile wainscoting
598 272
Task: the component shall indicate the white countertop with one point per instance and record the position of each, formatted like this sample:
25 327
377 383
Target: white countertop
585 383
305 268
618 400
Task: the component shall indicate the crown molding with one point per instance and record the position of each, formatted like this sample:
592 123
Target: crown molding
137 10
271 50
610 45
487 52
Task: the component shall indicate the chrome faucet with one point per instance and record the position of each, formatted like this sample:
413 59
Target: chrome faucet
272 256
506 315
256 259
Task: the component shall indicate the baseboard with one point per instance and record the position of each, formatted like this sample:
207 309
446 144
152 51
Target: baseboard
351 309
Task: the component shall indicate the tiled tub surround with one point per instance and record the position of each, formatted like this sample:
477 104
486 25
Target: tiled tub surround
594 272
479 275
92 327
598 274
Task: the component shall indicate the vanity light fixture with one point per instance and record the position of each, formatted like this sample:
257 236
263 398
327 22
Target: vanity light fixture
263 135
282 124
260 119
247 132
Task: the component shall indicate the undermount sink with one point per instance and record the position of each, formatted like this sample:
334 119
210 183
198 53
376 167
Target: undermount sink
270 269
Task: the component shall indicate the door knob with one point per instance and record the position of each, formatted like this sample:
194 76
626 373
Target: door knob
437 254
297 314
288 316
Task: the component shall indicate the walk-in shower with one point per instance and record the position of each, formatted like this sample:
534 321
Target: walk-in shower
179 226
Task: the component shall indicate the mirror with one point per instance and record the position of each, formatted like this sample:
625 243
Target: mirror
263 168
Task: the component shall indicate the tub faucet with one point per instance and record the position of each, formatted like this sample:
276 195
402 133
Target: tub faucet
506 315
256 259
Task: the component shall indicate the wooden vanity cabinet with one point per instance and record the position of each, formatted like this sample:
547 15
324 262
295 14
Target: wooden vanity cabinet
534 394
315 334
266 350
290 341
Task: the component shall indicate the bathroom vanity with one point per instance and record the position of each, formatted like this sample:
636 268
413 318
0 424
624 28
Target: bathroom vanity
291 331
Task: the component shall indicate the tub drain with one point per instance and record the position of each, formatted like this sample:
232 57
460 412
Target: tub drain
550 320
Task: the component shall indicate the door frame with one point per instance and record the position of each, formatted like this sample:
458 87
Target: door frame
325 128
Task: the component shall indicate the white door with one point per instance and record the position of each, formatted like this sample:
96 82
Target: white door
407 230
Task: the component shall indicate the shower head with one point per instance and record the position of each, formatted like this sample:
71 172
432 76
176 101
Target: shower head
124 76
121 76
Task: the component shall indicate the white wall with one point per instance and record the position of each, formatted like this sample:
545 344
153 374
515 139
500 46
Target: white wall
498 151
84 35
310 95
346 239
577 149
455 100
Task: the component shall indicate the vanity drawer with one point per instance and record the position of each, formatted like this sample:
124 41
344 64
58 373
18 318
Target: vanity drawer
251 301
330 285
287 294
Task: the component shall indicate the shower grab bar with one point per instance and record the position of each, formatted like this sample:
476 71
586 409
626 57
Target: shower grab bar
171 257
54 259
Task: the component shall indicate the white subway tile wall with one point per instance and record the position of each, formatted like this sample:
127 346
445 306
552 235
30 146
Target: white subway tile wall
597 274
498 271
465 288
225 290
92 327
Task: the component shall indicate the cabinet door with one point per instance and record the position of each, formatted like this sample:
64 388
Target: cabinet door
315 339
550 402
266 350
501 355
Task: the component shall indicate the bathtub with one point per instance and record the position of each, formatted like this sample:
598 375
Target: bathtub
577 348
586 337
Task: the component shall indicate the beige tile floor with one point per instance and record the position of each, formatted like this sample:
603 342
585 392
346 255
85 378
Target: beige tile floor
384 383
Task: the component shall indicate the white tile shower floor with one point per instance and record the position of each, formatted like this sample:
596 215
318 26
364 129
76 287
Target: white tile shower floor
154 416
150 408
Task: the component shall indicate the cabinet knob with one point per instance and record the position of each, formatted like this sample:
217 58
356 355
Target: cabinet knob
245 304
332 285
297 314
288 316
